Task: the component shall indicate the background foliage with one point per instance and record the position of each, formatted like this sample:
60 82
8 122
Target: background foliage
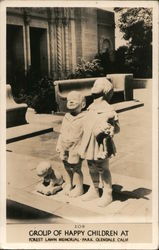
87 69
39 94
135 57
136 26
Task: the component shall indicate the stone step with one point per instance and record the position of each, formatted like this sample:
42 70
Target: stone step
22 132
127 105
43 123
119 107
131 196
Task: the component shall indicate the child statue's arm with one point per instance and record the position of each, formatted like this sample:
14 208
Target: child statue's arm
114 122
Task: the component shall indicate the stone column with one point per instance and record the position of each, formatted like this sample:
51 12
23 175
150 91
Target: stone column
52 15
59 43
52 50
73 39
66 45
27 39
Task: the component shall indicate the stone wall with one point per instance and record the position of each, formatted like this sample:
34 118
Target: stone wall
106 30
93 27
89 33
62 35
78 32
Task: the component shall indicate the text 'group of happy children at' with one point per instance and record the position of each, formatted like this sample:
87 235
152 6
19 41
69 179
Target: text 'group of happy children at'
89 135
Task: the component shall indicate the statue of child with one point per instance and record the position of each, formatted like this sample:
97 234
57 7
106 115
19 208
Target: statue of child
69 141
51 180
97 145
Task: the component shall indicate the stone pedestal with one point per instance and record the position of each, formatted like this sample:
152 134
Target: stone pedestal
15 112
122 83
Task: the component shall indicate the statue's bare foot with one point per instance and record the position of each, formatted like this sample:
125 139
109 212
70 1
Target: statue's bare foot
90 195
104 201
77 191
66 190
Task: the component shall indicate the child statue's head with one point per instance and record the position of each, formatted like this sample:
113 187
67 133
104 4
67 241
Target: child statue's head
102 87
75 102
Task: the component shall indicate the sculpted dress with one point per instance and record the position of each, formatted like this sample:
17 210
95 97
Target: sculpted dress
97 115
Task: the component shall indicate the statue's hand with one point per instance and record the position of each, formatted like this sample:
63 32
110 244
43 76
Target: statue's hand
110 131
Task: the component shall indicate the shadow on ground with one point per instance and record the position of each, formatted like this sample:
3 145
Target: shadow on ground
23 213
139 193
118 194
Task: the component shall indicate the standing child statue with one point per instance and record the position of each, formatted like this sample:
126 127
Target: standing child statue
97 145
69 141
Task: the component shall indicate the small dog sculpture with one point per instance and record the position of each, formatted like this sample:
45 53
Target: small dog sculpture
51 180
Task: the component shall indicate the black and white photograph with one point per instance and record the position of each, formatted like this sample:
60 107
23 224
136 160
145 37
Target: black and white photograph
79 109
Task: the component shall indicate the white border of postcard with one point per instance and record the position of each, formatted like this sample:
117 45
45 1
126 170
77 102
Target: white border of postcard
17 230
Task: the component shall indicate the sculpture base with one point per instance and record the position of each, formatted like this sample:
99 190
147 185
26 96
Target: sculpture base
16 116
15 113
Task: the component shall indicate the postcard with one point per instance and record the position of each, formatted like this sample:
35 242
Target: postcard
79 124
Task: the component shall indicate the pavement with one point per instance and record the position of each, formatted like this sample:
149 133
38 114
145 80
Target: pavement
131 171
43 123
